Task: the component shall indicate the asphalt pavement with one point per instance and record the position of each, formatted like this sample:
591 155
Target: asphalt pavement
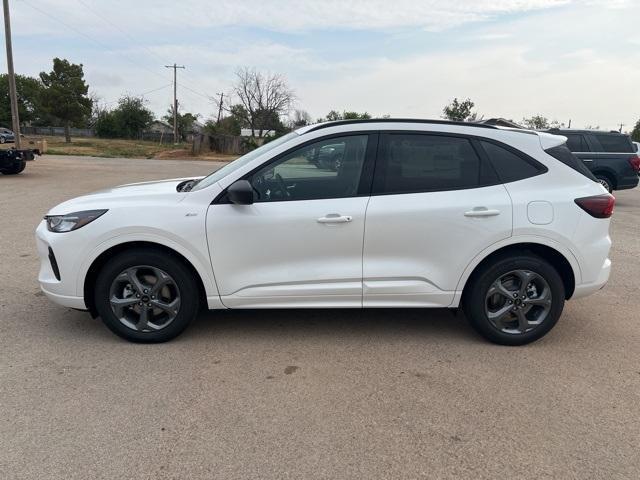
306 394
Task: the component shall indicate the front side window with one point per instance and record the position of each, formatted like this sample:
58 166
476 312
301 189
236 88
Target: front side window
329 168
242 161
576 142
412 163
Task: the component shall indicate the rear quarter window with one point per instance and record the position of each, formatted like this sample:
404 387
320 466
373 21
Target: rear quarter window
510 165
563 154
613 143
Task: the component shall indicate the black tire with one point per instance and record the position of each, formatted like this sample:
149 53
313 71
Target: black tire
605 181
16 169
181 275
476 293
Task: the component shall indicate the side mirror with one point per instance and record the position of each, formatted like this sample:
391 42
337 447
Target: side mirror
240 193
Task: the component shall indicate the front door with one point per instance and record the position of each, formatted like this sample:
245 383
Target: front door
300 242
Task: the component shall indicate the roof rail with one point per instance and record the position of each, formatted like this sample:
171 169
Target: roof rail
398 120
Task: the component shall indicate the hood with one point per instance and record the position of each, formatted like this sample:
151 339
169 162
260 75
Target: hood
143 193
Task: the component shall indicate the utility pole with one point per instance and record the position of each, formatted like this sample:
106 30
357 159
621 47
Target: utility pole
175 99
569 124
15 120
621 125
220 106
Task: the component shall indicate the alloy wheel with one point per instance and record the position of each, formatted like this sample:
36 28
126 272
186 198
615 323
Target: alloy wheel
518 301
144 298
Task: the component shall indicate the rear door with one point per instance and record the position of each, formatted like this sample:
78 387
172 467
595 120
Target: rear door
435 205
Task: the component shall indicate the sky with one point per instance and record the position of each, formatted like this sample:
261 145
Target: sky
575 60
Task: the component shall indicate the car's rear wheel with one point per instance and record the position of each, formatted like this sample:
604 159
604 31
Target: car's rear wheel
146 296
605 181
14 170
514 300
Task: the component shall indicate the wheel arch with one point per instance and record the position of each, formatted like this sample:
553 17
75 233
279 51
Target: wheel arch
609 173
564 262
101 260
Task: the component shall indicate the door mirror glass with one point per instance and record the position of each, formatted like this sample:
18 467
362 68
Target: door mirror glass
240 193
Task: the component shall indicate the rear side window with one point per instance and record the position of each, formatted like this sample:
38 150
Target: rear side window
510 165
562 153
614 143
412 163
576 142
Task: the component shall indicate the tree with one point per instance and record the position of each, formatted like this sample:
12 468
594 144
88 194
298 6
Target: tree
128 120
65 94
29 99
635 133
300 118
538 122
184 122
334 115
263 97
459 111
230 124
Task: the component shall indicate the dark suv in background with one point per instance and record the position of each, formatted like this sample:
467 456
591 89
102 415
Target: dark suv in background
611 156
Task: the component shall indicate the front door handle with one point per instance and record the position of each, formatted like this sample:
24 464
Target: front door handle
481 212
335 218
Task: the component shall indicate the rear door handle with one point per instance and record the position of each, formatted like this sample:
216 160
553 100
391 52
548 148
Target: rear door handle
335 218
481 212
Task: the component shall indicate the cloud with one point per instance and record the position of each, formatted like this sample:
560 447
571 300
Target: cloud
560 58
277 15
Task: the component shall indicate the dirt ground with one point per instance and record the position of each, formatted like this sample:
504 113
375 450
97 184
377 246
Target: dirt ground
332 394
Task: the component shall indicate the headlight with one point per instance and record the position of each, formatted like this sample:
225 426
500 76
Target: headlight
71 221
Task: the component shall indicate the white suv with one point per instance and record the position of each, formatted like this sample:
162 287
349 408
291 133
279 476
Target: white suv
505 223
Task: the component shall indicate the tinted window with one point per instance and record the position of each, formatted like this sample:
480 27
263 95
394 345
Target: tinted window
563 154
509 165
576 142
614 143
325 169
424 163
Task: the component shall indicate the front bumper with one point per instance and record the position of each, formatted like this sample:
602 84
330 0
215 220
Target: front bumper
62 290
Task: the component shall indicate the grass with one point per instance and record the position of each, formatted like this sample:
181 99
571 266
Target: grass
112 148
117 148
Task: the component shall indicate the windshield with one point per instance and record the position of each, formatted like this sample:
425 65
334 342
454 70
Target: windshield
242 161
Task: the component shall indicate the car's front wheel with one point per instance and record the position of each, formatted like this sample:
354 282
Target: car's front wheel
515 299
146 295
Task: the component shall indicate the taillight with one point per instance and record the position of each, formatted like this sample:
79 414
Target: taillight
598 206
635 163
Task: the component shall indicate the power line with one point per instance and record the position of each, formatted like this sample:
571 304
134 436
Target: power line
124 32
107 47
97 42
208 97
141 94
136 41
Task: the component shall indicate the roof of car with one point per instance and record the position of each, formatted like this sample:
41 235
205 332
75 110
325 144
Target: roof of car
577 130
336 123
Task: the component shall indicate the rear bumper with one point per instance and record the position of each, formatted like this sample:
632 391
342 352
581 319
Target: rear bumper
585 289
627 182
